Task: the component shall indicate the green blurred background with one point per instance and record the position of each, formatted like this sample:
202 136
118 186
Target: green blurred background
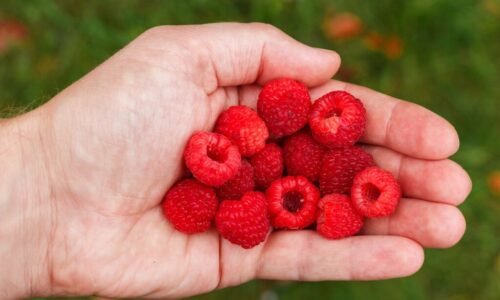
441 54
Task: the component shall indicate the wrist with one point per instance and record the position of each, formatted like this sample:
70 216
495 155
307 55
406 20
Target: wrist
25 208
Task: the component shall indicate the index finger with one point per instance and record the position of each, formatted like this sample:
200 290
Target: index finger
400 125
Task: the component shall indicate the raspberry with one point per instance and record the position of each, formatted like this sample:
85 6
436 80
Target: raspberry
291 202
185 173
303 155
337 119
284 105
244 128
212 158
339 167
241 183
190 206
337 217
267 165
243 222
375 192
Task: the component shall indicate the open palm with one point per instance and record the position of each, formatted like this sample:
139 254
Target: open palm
114 141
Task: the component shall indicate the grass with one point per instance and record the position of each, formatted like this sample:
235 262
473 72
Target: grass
447 61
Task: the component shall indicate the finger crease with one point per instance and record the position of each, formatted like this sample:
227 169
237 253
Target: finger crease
258 268
388 124
221 266
302 262
260 71
388 225
350 271
400 166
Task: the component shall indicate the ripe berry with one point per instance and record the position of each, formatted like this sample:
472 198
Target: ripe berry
241 183
291 202
212 158
375 193
284 105
303 155
337 119
244 128
243 222
337 217
190 206
267 165
339 167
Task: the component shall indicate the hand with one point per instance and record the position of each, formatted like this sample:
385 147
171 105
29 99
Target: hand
112 146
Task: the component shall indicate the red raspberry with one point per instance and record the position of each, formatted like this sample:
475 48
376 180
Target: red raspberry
185 173
339 168
303 155
241 183
291 202
337 119
337 217
243 222
375 193
190 206
284 105
267 165
244 128
212 158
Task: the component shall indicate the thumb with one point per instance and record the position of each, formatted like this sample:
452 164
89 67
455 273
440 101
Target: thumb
237 54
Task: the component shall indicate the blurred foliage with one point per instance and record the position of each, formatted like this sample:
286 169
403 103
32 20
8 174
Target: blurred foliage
441 54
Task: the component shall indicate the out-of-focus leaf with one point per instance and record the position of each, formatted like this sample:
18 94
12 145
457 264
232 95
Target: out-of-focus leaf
342 26
11 32
492 7
494 182
374 41
346 73
393 47
47 64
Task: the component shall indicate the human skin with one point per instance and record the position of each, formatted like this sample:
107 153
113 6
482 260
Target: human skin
83 175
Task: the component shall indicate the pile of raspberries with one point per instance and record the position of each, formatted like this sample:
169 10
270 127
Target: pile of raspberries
290 165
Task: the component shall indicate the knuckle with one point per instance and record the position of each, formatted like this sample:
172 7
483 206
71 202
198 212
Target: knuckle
265 28
155 31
